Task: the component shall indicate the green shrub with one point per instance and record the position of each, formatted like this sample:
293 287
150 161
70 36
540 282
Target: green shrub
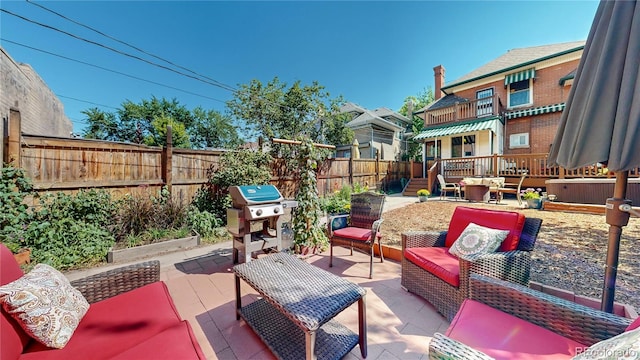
203 222
64 231
340 201
243 167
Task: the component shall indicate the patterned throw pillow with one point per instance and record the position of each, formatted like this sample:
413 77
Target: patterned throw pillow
476 239
623 346
45 304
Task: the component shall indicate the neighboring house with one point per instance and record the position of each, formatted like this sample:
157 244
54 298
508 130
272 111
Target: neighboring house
381 130
41 112
511 105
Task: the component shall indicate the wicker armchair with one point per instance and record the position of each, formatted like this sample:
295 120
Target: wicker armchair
573 321
512 266
114 282
362 227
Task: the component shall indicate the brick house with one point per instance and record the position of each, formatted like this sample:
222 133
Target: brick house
379 131
25 93
511 105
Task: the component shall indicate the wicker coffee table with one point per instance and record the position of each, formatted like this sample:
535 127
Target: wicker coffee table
299 301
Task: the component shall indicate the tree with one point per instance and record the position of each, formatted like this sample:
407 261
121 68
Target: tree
102 125
422 99
213 130
135 120
333 129
276 110
158 135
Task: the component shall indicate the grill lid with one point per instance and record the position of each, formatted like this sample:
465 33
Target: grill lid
254 194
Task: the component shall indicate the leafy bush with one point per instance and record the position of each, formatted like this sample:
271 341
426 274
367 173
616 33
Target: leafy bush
203 222
64 231
243 167
340 201
14 214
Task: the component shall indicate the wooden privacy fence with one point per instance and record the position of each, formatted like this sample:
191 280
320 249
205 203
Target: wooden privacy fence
68 165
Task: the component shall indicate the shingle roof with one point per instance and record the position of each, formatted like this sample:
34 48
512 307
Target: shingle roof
384 112
517 57
351 107
368 118
443 102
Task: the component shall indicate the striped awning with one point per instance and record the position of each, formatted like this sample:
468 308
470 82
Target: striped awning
484 124
534 111
519 76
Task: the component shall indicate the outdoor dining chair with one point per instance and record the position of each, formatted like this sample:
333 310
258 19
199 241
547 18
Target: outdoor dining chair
361 228
446 187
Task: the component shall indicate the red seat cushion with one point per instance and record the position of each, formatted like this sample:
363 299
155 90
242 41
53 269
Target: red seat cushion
13 338
495 219
504 336
176 342
355 233
634 325
438 261
116 324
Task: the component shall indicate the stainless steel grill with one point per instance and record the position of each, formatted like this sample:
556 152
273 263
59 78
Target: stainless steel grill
256 219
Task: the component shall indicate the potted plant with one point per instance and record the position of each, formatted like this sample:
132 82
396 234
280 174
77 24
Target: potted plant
423 194
532 197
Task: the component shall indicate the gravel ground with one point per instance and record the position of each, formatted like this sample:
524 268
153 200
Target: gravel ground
570 252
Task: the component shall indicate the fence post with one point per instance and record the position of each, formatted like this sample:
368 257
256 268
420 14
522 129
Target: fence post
12 153
167 154
410 169
561 172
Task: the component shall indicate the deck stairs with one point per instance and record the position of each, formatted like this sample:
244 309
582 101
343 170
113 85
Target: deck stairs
414 185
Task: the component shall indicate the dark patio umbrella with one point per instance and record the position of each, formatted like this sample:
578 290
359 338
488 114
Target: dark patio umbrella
601 120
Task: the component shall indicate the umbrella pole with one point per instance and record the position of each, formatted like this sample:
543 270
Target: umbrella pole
616 220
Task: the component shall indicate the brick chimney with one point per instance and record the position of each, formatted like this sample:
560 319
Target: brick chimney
438 74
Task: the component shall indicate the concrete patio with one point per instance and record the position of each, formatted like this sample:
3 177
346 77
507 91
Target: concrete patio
200 280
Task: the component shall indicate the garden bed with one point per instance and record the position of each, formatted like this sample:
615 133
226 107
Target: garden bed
128 254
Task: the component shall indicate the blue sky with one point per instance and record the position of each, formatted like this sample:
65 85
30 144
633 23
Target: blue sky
373 53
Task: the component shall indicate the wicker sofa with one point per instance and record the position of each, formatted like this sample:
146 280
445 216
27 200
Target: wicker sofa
430 271
131 316
502 320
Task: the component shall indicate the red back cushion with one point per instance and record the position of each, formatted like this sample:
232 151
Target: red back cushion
495 219
12 338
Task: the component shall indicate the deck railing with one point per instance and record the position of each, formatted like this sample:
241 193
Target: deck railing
464 111
537 166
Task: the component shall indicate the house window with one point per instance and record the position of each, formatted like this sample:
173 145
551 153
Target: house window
520 93
519 140
463 146
485 102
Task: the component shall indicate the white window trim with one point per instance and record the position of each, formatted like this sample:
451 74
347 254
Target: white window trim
517 136
521 105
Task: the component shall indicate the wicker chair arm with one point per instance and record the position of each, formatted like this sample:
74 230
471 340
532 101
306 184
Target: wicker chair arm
511 266
113 282
574 321
376 225
413 239
330 228
443 348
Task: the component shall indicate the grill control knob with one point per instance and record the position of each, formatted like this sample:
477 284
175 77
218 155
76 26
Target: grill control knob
259 212
276 210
